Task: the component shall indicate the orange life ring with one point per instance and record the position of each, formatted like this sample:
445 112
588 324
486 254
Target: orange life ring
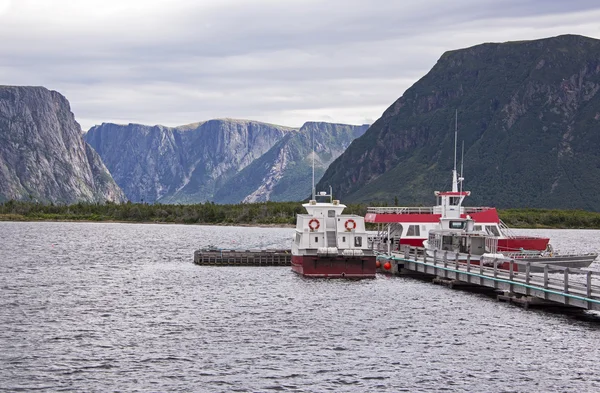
314 224
350 225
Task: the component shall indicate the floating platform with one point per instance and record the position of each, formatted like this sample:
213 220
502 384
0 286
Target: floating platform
253 257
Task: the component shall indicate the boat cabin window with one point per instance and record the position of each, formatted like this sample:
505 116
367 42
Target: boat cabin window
454 201
492 230
447 243
330 213
316 239
297 238
477 228
456 224
344 239
413 230
358 241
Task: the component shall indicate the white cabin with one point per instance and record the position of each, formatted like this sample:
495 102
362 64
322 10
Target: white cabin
324 228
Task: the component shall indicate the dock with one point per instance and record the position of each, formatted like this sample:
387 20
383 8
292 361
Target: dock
253 257
556 286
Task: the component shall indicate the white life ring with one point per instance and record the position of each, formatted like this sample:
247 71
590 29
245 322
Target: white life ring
350 224
314 224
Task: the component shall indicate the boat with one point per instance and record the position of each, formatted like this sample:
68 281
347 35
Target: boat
459 239
329 244
411 225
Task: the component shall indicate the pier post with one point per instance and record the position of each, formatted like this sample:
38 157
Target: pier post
445 264
511 274
468 263
566 282
545 281
456 267
527 276
589 289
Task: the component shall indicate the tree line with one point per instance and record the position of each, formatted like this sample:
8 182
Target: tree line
260 213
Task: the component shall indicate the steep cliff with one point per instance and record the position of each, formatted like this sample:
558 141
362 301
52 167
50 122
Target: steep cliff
528 113
43 156
284 173
184 164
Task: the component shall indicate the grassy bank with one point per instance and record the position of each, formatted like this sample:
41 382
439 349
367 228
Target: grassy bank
265 213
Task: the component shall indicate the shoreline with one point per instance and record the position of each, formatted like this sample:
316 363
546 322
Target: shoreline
3 218
257 225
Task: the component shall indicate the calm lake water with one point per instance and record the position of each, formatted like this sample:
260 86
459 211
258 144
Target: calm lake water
99 307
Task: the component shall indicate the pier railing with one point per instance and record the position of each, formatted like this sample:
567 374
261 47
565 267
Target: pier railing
569 286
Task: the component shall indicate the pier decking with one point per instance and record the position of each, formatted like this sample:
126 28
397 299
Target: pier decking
556 285
254 257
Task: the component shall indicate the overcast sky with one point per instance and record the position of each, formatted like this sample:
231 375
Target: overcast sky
174 62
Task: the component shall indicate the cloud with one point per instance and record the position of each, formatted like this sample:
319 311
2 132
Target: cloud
287 62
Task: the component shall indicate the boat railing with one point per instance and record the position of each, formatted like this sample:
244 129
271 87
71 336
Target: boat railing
420 209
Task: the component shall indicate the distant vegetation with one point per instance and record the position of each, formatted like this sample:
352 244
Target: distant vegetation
545 218
265 213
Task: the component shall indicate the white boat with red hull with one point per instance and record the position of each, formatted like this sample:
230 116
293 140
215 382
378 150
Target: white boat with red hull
411 225
330 244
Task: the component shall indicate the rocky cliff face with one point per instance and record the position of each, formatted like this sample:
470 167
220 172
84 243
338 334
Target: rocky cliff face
284 173
180 165
225 161
528 113
43 156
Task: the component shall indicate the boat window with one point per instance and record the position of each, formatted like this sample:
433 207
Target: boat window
446 242
413 230
477 228
316 239
344 239
454 200
330 213
456 224
493 230
358 241
297 238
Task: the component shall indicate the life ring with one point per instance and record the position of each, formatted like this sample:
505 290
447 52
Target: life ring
314 224
350 225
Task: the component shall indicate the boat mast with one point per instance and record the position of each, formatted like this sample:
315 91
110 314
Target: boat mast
313 165
462 163
454 176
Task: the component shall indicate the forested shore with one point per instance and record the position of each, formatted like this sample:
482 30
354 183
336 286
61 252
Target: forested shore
263 213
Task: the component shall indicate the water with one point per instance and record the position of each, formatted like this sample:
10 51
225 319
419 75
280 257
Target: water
103 307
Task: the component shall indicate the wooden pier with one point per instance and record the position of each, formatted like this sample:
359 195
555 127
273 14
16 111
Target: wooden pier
254 257
556 286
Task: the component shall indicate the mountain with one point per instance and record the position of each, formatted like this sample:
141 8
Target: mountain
284 173
43 156
528 114
223 160
183 164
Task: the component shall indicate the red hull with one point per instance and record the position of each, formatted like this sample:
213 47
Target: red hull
523 242
334 267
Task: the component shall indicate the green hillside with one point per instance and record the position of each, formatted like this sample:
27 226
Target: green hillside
529 117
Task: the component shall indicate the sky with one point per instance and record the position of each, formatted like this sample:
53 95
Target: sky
175 62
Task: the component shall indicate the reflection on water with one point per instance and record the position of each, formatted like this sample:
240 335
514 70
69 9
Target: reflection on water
121 307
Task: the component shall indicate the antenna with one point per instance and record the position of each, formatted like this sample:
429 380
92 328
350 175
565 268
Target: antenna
454 177
313 164
462 163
